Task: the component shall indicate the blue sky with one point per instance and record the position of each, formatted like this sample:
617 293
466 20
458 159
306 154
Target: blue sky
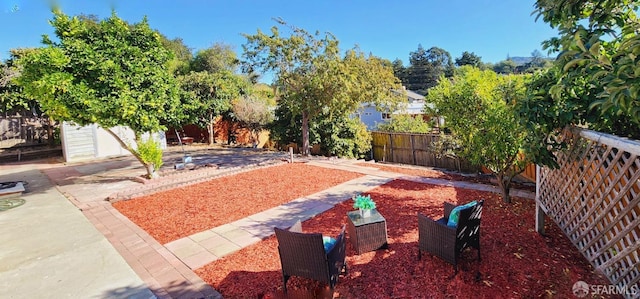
388 29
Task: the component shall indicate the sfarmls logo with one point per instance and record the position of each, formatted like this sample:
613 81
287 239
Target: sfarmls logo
581 289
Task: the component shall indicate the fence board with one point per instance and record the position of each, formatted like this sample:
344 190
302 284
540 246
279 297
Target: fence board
594 197
22 130
414 149
529 172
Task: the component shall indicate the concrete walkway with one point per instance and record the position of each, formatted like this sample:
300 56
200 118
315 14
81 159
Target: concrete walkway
48 248
143 268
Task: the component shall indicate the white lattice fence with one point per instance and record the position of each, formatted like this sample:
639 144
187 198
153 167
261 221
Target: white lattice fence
594 197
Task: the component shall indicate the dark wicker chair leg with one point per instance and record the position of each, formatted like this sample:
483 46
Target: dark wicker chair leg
478 274
285 278
419 254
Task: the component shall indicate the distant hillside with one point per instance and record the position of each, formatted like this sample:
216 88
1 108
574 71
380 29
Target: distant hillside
520 60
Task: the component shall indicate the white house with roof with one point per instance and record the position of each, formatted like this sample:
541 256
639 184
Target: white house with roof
413 106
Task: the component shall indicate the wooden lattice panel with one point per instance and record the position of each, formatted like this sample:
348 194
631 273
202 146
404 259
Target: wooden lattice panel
594 197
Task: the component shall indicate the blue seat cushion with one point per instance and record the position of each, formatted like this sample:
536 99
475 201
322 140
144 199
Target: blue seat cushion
455 213
328 243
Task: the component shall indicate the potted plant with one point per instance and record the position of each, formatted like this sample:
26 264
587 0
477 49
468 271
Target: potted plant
365 204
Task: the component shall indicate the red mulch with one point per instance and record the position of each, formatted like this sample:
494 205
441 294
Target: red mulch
433 173
422 171
517 262
180 212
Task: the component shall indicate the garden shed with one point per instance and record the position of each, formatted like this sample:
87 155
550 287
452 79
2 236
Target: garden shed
82 143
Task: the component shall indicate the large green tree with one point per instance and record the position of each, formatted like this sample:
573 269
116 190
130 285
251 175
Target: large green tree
209 95
181 54
595 79
339 135
312 77
469 58
399 70
506 66
210 84
426 66
599 41
214 59
479 109
107 72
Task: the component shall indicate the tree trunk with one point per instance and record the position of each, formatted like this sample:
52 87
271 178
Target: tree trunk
305 134
151 171
149 167
210 127
256 137
50 136
505 185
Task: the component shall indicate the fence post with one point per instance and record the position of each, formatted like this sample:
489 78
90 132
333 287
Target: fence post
290 154
384 152
391 146
413 149
539 211
539 218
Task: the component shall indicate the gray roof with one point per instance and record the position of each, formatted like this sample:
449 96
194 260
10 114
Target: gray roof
412 95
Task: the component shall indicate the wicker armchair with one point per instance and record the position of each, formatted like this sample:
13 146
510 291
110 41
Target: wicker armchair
303 254
435 237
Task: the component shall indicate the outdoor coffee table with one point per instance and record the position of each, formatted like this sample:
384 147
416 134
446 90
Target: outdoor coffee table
367 234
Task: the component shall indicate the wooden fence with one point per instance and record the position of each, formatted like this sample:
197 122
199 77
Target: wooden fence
414 149
594 197
529 172
22 130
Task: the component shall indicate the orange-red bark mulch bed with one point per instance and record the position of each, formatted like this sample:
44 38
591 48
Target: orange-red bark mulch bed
421 171
180 212
517 262
434 173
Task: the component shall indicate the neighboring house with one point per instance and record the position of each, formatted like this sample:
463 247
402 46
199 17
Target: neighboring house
414 106
92 141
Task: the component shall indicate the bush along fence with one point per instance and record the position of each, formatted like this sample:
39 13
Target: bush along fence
414 149
594 197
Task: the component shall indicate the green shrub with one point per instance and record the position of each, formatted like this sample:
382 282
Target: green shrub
344 137
338 135
150 152
404 123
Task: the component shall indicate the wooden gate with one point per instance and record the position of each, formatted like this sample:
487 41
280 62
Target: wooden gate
594 197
